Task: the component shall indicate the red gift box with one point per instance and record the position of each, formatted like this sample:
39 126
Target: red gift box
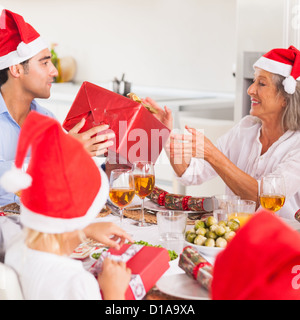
139 135
147 265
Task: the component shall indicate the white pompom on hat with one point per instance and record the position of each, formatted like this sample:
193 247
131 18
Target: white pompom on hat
285 62
19 41
63 190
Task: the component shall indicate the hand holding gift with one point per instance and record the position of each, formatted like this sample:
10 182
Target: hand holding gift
139 136
95 143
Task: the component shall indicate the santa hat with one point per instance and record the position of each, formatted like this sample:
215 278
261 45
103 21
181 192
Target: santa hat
19 41
260 263
285 62
63 190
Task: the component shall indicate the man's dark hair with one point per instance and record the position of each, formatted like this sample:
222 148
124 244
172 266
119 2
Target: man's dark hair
4 72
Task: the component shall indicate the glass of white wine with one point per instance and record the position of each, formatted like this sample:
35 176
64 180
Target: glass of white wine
144 181
272 192
121 189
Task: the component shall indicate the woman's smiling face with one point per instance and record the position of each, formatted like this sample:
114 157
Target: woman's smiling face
266 102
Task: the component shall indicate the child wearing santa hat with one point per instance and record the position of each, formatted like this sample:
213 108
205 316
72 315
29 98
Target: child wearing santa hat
62 192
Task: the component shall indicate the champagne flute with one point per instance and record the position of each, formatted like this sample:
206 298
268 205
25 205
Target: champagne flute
144 182
272 192
121 189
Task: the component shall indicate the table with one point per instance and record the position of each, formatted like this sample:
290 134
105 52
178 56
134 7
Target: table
149 234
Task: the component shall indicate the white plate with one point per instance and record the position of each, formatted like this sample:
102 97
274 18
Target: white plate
182 286
208 251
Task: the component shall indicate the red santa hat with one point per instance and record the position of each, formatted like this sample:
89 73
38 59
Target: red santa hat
63 190
19 41
260 263
285 62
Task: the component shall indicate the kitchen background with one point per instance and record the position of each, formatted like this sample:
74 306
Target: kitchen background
195 56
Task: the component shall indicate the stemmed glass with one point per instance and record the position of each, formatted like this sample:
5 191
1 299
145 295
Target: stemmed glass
272 192
144 181
121 189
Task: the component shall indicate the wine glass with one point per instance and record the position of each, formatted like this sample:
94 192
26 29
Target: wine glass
144 182
121 189
272 192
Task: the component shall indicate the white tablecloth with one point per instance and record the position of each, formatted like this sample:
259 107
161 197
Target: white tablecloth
148 234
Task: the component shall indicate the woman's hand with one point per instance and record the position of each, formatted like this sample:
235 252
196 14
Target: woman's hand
163 115
95 144
108 234
181 148
114 279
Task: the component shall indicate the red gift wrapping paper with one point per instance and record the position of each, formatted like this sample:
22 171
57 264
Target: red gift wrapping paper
147 265
139 135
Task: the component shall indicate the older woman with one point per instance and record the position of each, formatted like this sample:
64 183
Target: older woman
266 141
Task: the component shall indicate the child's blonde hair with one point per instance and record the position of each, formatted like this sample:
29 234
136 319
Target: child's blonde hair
36 239
51 242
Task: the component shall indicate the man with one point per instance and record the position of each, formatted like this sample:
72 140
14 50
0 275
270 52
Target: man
26 73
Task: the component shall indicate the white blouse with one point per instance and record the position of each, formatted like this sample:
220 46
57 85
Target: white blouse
241 146
46 276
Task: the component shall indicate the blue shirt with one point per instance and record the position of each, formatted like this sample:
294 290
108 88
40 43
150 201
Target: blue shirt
9 135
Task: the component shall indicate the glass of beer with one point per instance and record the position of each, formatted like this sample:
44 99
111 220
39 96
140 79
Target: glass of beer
272 192
121 189
144 182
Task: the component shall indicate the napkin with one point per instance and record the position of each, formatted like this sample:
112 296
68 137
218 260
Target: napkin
262 262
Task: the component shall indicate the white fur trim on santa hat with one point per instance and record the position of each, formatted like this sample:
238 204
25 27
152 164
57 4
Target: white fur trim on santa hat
273 66
45 224
289 85
23 53
15 180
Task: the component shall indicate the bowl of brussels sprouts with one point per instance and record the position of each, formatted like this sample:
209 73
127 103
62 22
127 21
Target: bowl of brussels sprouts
210 236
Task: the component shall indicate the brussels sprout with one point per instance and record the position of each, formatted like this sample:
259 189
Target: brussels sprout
190 236
233 224
227 229
221 243
222 223
199 240
229 235
211 235
210 221
198 224
213 227
220 231
209 243
201 231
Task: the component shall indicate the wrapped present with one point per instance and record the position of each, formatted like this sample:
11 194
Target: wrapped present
139 135
181 202
147 265
195 266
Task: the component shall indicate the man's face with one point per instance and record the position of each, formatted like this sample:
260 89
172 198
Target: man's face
39 75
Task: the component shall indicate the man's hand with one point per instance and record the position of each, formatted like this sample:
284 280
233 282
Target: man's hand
95 144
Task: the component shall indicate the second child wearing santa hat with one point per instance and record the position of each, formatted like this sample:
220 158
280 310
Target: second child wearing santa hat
266 141
62 192
26 73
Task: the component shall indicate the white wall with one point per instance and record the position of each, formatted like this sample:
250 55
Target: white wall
260 27
187 44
